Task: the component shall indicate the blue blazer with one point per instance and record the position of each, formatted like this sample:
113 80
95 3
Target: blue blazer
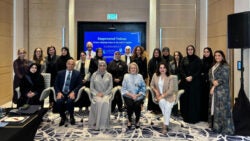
75 82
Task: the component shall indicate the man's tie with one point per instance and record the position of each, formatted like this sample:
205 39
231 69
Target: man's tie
67 84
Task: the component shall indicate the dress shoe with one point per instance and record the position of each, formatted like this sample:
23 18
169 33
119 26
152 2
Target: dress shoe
62 122
129 125
72 121
137 125
164 129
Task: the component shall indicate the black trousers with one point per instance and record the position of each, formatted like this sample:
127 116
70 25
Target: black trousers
133 107
65 104
117 101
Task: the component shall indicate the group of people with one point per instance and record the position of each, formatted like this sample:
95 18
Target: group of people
205 81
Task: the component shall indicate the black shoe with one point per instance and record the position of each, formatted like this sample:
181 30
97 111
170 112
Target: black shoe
72 121
129 125
62 122
137 125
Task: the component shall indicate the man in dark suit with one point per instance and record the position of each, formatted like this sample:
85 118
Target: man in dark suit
67 84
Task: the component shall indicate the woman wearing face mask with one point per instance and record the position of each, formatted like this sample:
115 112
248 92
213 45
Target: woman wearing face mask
191 82
31 86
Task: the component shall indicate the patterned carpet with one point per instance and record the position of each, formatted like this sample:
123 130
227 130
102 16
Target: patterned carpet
150 130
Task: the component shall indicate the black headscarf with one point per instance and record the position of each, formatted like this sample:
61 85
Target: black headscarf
34 76
193 56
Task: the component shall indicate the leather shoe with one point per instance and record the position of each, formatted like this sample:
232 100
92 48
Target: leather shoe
62 122
72 121
137 125
129 125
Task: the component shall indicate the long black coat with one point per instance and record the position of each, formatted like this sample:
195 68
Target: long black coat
190 100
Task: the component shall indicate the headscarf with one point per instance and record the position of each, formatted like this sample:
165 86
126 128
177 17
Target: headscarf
128 47
114 55
193 56
34 76
101 62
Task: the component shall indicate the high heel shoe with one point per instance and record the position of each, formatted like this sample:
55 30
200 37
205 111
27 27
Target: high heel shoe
129 125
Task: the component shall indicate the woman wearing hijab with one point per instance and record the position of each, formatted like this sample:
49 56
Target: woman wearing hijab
207 63
101 84
62 60
31 86
191 82
117 68
94 61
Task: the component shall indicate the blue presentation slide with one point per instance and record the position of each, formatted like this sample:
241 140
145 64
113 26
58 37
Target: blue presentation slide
112 41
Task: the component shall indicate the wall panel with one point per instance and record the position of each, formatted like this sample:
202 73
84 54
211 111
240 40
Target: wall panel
6 39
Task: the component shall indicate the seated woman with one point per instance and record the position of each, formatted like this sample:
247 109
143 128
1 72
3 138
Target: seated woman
101 84
31 86
162 85
133 90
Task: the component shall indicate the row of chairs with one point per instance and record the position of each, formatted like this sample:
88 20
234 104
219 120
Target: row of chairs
46 92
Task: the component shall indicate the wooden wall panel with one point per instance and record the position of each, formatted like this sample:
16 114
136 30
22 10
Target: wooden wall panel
6 39
178 23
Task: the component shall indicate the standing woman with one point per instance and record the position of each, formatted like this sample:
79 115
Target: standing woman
220 107
50 61
20 66
175 70
207 63
62 60
162 85
82 65
140 59
94 61
191 83
101 84
152 68
31 86
133 91
118 69
39 59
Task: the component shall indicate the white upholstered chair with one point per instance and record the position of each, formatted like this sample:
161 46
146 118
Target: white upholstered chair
177 92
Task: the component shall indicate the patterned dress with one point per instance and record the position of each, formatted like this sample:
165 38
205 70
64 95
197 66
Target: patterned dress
223 121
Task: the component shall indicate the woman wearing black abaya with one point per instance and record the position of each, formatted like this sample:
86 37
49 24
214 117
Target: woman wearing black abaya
191 83
207 63
31 86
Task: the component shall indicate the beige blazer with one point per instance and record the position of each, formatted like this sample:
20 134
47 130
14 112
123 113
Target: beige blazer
86 66
168 86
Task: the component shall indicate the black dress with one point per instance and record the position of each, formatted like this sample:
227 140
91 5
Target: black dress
190 101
